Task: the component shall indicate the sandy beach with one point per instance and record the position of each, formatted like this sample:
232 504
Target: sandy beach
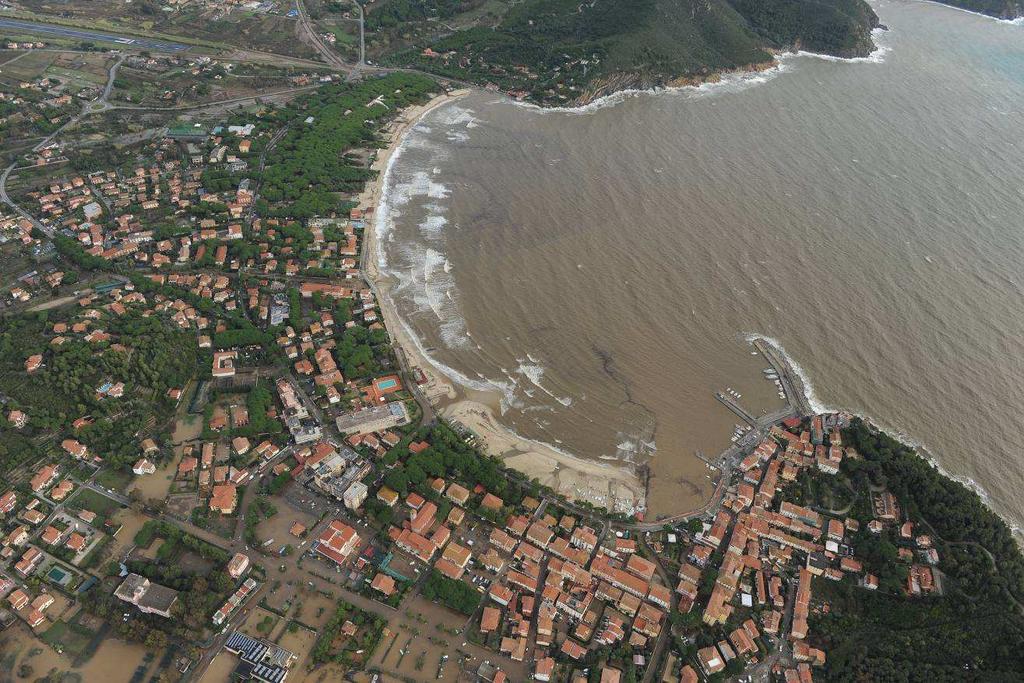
603 485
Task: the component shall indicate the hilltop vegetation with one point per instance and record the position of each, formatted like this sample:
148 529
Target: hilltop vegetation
975 627
565 51
149 356
838 27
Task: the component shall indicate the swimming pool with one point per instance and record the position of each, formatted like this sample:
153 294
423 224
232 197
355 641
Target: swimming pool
58 576
387 384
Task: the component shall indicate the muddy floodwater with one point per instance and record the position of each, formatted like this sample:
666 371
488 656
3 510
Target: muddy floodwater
598 271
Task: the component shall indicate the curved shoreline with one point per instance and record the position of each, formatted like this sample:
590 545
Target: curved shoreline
476 409
600 484
757 73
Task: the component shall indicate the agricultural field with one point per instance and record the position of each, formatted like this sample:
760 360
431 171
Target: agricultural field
76 69
187 85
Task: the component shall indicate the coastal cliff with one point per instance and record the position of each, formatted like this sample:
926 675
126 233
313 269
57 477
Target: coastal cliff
1000 9
563 52
619 82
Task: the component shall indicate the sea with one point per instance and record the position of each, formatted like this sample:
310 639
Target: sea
600 270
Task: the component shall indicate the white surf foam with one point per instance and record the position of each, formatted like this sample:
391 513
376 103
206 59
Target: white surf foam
877 55
535 372
805 379
1019 21
506 390
928 454
460 116
731 82
433 225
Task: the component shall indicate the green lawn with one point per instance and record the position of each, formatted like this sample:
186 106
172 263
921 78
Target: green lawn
117 480
87 499
71 638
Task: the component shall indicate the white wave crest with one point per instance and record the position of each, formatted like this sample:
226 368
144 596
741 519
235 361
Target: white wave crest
730 82
433 224
535 372
812 399
877 56
1019 21
460 116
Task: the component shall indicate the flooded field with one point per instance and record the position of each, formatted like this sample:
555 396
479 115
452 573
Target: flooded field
277 527
130 522
187 428
300 642
220 669
315 609
23 656
157 485
260 623
116 661
22 652
422 634
62 608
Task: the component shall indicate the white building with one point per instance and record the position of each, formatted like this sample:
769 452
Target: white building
355 495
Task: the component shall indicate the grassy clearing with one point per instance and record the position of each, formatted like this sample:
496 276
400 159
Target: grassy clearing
71 639
87 499
117 480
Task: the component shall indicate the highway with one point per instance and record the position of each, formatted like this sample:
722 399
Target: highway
87 34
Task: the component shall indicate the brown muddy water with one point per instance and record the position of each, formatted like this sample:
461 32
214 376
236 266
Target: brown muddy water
601 269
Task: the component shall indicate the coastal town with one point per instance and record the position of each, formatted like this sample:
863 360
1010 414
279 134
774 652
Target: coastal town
220 463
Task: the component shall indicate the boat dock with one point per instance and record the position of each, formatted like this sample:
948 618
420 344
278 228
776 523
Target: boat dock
791 382
796 405
733 405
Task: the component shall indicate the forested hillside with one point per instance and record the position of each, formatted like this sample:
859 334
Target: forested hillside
838 27
1001 9
971 632
558 51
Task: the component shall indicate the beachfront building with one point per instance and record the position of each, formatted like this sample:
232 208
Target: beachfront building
373 419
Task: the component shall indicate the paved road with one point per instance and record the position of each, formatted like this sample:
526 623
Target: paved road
663 635
219 103
111 76
6 199
86 34
318 44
